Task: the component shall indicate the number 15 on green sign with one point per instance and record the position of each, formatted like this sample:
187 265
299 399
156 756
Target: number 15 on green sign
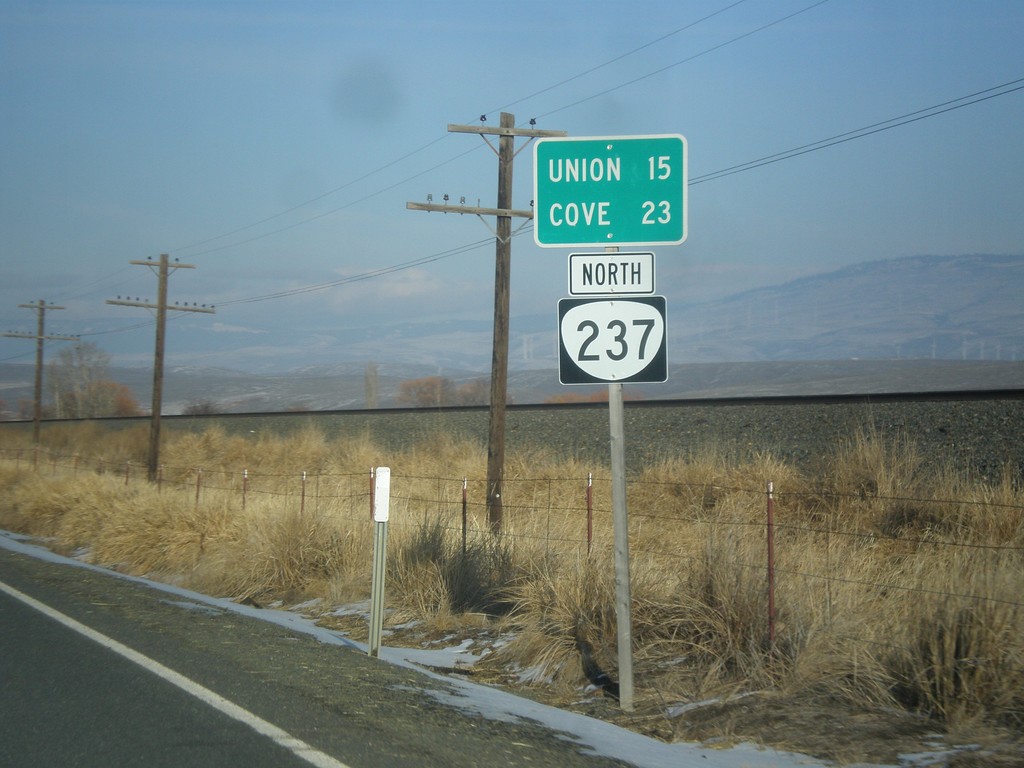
616 190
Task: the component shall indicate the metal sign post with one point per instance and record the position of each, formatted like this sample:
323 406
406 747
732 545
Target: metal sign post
381 503
620 524
612 191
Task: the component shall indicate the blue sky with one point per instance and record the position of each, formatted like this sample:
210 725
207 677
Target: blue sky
274 145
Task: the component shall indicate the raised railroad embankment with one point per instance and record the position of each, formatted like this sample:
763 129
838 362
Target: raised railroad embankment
980 433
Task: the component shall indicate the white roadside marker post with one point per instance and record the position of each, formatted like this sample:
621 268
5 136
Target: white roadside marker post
381 502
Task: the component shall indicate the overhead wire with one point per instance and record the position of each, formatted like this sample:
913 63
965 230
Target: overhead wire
688 59
458 156
618 58
749 165
350 183
859 133
363 275
336 209
976 97
894 122
312 200
395 268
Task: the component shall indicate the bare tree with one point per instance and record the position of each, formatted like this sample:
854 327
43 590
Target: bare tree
372 383
79 383
428 392
474 392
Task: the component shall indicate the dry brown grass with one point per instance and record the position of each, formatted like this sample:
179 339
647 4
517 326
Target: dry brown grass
893 587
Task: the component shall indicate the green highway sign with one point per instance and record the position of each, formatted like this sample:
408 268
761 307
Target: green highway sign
609 191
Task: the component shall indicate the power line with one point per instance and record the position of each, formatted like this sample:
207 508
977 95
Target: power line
868 130
429 144
85 290
363 275
683 61
894 122
310 201
406 156
749 165
620 57
335 210
858 133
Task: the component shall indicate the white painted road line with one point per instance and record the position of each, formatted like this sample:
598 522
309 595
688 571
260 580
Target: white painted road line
232 710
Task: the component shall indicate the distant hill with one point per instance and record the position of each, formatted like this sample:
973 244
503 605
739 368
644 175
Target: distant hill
339 389
934 307
916 323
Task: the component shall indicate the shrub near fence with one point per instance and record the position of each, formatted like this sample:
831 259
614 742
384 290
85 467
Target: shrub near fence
747 576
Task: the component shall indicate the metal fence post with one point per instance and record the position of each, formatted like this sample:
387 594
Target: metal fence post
465 515
590 511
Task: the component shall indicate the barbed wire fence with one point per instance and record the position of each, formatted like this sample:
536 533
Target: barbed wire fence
787 553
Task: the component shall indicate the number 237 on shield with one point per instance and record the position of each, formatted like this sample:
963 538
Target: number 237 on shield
612 340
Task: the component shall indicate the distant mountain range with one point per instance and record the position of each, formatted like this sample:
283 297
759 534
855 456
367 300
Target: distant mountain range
921 307
916 323
934 307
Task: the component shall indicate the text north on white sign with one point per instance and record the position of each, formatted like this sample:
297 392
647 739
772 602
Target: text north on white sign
592 274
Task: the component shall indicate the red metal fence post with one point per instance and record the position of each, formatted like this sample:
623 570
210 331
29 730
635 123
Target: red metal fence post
464 515
199 484
590 511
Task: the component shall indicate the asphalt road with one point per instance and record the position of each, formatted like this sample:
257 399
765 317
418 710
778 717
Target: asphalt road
272 697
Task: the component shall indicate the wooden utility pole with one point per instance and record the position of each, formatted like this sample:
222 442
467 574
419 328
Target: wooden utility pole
506 152
40 336
162 269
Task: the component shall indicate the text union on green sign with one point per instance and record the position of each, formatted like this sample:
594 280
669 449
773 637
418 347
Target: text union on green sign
609 191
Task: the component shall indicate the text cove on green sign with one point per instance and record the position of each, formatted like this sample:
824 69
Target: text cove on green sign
610 191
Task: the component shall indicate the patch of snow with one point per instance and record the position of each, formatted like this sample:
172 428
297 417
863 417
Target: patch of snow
306 606
533 676
353 609
682 708
940 755
450 657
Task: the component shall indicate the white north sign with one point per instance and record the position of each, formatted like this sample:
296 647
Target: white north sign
611 274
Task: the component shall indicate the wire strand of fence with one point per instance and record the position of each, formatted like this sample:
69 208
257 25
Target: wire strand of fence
441 495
